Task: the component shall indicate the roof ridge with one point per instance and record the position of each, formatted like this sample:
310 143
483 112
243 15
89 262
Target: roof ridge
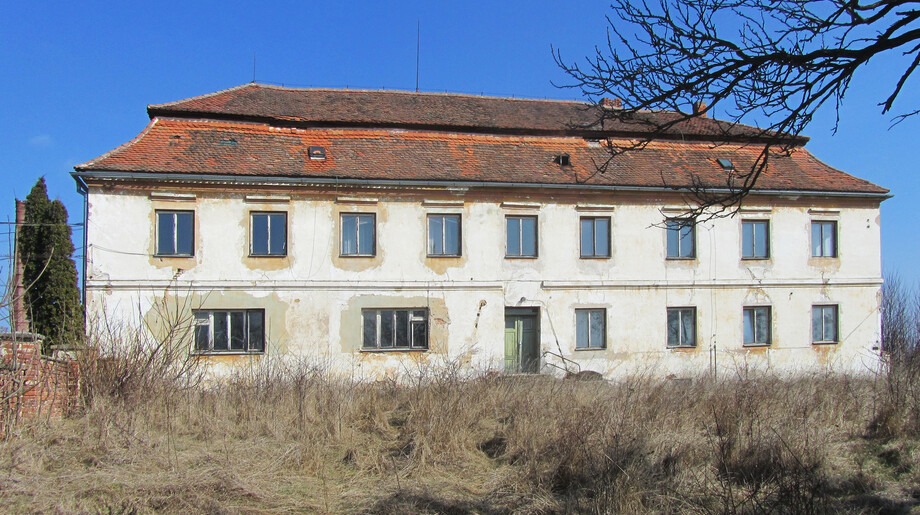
408 92
123 146
265 127
463 111
199 97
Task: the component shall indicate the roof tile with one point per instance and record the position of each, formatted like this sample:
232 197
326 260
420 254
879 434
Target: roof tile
368 108
194 147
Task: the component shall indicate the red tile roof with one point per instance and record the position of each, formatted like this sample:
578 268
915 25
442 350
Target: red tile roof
211 147
442 111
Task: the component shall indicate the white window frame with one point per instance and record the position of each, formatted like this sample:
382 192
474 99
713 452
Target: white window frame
270 232
412 319
675 225
520 236
680 311
820 251
358 237
175 233
821 308
591 343
754 224
757 312
443 235
594 254
206 318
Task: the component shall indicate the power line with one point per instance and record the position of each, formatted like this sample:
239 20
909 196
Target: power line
40 224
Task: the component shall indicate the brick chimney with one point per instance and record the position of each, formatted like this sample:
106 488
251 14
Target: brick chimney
611 103
18 322
699 107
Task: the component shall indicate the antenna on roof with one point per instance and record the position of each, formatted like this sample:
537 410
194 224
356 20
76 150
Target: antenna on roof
418 47
253 67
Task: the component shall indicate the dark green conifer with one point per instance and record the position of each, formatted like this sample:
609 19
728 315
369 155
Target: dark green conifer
50 274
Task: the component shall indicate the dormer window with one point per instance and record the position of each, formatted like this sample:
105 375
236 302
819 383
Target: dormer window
562 160
317 152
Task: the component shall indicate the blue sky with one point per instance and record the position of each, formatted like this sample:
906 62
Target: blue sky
77 77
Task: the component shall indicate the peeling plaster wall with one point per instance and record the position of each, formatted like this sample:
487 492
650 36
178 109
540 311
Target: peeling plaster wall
313 296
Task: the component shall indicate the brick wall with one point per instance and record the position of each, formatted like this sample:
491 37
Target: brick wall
32 385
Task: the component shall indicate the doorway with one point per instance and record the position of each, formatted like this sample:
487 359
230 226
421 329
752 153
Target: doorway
522 340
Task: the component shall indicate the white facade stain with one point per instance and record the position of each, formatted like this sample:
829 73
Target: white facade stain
313 298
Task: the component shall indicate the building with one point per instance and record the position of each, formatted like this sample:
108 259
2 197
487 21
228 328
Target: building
378 231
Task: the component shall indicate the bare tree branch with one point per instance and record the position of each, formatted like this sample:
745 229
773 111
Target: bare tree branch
767 63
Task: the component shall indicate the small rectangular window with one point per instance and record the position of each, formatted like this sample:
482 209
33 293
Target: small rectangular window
394 329
175 233
443 235
358 234
521 234
681 327
755 239
681 238
239 330
595 237
268 234
824 324
824 239
756 326
590 328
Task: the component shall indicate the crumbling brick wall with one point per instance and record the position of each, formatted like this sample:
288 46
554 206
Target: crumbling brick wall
33 385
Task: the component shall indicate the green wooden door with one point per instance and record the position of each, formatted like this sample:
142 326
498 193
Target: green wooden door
528 345
512 363
522 351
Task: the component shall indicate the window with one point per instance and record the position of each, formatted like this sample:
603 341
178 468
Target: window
824 324
824 239
755 239
595 237
590 328
358 234
395 329
443 235
269 234
681 235
757 326
522 236
240 330
681 327
175 233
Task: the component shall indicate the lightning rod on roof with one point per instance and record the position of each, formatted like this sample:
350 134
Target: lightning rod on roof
418 47
253 67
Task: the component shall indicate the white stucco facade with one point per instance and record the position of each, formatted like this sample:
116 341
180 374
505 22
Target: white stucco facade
313 297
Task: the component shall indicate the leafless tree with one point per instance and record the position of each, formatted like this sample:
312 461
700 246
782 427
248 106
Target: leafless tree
771 63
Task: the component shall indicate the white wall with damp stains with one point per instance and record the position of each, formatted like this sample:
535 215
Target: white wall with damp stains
313 297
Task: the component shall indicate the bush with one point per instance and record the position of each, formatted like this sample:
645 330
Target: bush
898 409
290 436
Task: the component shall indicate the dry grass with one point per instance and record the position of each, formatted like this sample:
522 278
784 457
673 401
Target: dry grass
294 439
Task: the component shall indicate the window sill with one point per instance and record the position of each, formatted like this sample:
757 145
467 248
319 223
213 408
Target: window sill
672 258
681 347
441 256
180 256
755 258
520 257
268 255
357 255
594 257
227 353
589 349
397 349
825 343
755 345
